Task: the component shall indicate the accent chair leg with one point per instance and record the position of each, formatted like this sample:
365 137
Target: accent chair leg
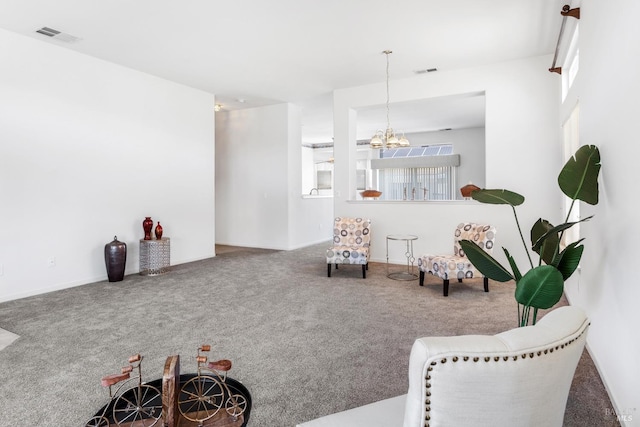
364 271
445 287
329 270
486 284
421 278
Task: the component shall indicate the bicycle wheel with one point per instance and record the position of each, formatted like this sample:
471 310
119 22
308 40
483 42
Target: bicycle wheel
138 406
236 405
200 398
97 421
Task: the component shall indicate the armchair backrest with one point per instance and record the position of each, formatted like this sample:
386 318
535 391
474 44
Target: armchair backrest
483 235
519 377
351 232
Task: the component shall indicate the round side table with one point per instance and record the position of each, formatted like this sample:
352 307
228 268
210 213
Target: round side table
408 274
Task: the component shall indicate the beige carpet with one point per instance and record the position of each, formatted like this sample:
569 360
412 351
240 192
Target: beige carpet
6 338
304 344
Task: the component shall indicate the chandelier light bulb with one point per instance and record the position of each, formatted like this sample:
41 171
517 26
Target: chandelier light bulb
376 141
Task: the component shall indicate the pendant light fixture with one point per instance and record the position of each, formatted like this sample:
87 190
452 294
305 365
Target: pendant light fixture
388 138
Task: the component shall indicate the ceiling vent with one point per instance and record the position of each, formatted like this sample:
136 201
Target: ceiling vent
58 35
425 71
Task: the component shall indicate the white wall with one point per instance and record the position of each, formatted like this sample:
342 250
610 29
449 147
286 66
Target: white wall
258 181
251 177
522 154
608 88
87 150
310 220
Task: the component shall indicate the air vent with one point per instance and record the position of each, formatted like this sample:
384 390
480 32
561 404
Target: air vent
58 35
425 71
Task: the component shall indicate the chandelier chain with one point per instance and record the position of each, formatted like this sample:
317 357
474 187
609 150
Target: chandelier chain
387 52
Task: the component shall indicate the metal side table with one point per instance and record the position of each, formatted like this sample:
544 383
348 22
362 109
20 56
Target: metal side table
155 256
408 274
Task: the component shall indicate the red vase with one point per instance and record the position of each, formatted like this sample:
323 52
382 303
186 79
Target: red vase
158 231
147 225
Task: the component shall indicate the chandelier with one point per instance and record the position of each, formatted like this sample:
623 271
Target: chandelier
388 138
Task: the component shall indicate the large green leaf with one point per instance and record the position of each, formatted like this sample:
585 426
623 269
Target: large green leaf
569 259
484 262
547 247
579 176
498 197
540 287
554 231
516 271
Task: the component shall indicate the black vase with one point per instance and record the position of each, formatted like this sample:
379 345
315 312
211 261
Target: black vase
115 258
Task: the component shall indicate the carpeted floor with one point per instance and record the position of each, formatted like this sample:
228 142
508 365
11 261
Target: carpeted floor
304 345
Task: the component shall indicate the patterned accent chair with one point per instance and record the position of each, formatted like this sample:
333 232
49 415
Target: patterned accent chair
458 266
350 244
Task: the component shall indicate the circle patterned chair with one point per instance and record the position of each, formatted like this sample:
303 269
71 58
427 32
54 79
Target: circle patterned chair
351 238
458 266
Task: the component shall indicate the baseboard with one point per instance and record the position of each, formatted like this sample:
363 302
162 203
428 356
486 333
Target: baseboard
87 281
307 244
54 288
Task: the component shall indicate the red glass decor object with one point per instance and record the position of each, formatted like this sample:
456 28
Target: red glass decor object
147 225
158 231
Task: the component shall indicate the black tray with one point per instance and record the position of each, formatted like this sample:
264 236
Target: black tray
234 386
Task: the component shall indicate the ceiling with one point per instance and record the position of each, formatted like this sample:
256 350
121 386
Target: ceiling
255 52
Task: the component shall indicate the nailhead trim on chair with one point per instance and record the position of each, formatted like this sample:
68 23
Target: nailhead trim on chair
486 359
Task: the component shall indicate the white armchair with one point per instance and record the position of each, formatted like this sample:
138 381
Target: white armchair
516 378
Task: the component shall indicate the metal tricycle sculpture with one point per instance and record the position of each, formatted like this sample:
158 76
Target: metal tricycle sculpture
202 396
131 401
197 399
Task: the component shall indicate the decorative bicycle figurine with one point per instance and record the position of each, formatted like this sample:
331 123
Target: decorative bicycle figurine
132 404
202 396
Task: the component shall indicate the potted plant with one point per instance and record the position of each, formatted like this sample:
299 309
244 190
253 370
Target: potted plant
542 286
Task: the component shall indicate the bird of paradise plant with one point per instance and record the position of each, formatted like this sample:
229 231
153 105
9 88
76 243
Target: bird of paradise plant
542 286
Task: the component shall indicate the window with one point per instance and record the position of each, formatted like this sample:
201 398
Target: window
437 127
417 173
571 64
428 183
426 150
571 143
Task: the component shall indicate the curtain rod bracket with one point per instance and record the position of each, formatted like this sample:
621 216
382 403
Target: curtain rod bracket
567 11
